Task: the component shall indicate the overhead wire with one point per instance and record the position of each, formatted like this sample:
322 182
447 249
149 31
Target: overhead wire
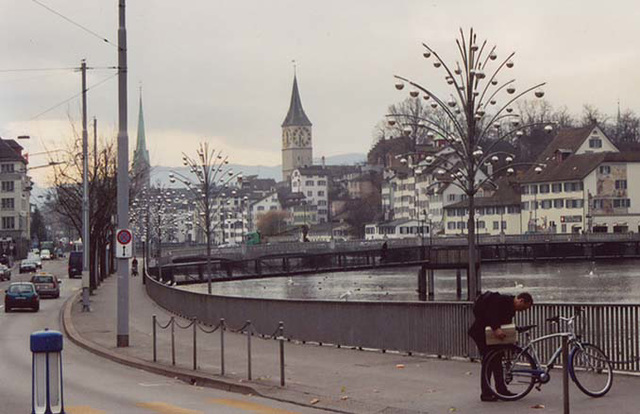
91 32
72 98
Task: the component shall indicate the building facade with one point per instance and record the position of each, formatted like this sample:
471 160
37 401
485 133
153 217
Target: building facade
15 194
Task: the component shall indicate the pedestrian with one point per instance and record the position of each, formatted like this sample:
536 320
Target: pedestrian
134 266
494 309
383 252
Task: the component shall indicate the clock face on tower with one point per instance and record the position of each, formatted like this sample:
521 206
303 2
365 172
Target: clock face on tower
296 137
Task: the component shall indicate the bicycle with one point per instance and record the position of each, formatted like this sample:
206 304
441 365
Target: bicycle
520 368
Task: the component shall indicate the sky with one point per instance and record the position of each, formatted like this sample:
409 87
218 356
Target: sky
222 70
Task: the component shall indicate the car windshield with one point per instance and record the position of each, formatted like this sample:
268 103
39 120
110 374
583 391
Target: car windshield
20 289
42 279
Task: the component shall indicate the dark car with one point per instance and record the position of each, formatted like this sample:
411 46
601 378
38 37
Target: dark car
21 295
46 285
75 264
5 272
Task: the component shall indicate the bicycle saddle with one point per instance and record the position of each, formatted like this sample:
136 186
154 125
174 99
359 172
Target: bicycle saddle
525 328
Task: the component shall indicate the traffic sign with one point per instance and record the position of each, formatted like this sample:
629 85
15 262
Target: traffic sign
124 245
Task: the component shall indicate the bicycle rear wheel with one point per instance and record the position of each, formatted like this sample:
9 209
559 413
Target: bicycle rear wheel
591 370
513 371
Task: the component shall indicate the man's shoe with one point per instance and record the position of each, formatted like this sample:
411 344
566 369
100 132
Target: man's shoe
489 397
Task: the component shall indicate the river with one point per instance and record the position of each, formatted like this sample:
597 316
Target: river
588 282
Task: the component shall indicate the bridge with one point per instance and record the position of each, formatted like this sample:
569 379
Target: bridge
253 262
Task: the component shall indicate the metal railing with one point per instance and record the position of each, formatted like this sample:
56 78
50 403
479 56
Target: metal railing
433 328
195 325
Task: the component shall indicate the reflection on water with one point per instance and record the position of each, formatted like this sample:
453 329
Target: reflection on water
611 282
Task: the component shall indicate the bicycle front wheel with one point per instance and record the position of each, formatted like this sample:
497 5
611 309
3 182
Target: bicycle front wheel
591 370
510 372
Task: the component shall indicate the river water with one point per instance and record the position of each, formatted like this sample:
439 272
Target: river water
588 282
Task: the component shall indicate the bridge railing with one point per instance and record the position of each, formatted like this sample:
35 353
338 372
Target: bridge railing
434 328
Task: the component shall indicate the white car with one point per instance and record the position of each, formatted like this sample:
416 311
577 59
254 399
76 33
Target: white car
36 259
45 254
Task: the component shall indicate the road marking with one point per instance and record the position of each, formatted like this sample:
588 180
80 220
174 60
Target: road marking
249 406
164 408
83 409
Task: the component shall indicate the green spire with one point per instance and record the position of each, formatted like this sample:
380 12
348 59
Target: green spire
141 155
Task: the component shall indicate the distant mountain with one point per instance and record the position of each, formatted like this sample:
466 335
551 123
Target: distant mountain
161 173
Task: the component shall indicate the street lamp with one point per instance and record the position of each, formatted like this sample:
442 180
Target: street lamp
472 123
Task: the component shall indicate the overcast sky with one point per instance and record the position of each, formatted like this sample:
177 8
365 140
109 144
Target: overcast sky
221 70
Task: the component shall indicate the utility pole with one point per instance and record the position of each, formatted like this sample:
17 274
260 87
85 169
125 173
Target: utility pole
96 255
123 181
85 195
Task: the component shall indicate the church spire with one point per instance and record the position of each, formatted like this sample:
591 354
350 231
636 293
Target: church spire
141 164
296 115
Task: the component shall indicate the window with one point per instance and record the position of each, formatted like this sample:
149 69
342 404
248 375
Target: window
525 189
7 187
621 184
6 168
558 203
320 193
534 189
556 187
595 143
323 212
490 210
322 182
273 208
451 226
452 197
322 202
8 222
605 169
260 208
568 187
545 204
481 224
544 188
496 225
309 193
8 203
309 182
621 203
525 205
574 203
504 225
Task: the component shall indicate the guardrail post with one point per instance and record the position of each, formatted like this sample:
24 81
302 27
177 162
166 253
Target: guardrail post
195 351
222 346
565 374
458 284
281 339
154 319
173 341
249 350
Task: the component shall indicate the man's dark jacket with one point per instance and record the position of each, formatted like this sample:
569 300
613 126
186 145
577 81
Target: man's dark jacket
497 310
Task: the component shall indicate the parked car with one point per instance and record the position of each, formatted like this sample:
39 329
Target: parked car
75 264
27 266
4 259
21 295
46 284
45 254
5 272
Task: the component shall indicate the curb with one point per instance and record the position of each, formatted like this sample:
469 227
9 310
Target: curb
185 375
188 376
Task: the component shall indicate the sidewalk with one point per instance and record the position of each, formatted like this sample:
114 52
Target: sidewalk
337 379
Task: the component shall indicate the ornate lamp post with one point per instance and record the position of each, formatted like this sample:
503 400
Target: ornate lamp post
472 122
213 179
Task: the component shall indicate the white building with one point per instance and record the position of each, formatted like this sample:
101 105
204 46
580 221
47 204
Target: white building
15 194
262 206
585 186
313 183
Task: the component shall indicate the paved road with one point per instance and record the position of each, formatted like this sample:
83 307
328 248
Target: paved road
93 385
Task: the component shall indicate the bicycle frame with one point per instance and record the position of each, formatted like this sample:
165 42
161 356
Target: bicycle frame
572 341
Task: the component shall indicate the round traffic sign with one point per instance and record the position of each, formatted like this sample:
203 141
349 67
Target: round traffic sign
124 236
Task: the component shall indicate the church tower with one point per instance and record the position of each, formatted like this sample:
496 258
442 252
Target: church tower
296 136
141 165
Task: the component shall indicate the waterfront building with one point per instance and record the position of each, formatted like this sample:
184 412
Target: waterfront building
585 186
261 206
313 183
